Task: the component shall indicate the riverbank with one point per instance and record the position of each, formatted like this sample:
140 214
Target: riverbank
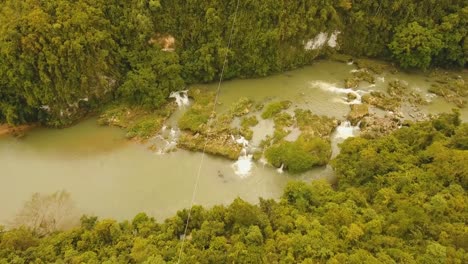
16 131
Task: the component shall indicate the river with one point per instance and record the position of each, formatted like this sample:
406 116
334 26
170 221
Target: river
111 177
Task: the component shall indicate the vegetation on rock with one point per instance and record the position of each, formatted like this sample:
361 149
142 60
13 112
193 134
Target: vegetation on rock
275 108
140 123
301 155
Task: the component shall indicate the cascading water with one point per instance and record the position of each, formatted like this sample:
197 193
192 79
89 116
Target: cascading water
166 141
181 98
342 132
329 87
346 130
243 165
280 169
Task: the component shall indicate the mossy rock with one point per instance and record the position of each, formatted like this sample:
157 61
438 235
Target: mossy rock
249 121
283 120
351 82
247 133
351 96
452 89
358 111
382 101
362 75
242 107
397 88
375 127
275 108
145 127
140 123
319 126
216 144
377 67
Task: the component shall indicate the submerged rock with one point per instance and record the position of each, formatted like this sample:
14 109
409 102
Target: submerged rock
351 97
382 101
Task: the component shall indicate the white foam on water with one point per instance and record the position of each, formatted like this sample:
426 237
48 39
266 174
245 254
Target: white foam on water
280 169
241 141
330 87
181 98
173 133
243 166
166 142
346 130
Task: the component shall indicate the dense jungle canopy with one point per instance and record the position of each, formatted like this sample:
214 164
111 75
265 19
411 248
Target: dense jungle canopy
61 59
399 198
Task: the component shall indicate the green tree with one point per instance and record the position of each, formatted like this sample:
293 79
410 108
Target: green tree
415 46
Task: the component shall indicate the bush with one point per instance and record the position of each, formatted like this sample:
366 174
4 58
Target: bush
301 155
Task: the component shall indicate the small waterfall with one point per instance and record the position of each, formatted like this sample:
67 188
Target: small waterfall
243 165
344 91
346 130
280 169
166 141
343 131
181 98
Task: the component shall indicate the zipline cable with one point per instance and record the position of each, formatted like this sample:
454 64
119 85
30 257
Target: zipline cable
194 193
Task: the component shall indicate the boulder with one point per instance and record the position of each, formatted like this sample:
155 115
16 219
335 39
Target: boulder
358 111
